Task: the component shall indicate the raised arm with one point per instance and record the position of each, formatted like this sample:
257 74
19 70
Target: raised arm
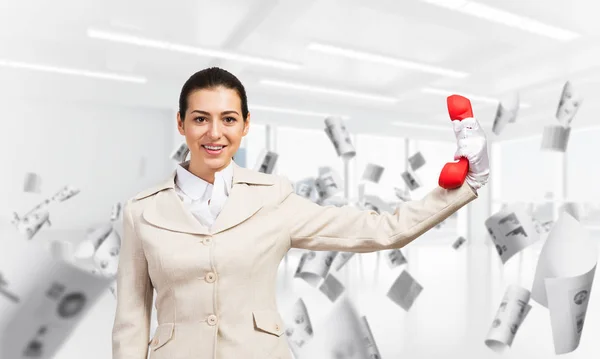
131 327
350 229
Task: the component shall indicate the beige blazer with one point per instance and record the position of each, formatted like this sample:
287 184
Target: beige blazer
216 287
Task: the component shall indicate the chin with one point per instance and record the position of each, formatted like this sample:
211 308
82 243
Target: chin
216 163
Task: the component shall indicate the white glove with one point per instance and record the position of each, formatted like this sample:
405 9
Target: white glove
472 144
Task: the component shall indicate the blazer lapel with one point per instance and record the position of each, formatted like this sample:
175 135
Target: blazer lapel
167 211
244 199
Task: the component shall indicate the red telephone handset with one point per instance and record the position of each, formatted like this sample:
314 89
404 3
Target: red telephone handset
454 173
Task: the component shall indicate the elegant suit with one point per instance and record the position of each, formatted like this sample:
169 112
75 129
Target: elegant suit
216 286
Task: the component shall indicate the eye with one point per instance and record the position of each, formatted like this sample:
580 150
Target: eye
200 119
230 119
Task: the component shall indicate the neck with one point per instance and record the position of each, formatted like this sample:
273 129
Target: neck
202 171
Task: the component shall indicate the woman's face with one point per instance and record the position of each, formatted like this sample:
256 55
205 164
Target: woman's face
213 126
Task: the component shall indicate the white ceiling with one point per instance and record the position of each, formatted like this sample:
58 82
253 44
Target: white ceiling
499 59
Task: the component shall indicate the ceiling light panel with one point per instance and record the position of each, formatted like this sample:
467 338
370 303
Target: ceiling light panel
71 71
194 50
380 59
506 18
291 111
328 91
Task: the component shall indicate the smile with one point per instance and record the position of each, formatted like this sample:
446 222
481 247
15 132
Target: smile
213 150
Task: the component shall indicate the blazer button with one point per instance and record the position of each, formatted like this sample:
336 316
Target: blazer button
155 341
212 320
210 277
207 240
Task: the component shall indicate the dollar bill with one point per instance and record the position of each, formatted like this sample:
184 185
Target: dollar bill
314 266
511 230
332 287
509 317
568 105
32 183
372 173
339 136
404 291
555 138
459 242
416 161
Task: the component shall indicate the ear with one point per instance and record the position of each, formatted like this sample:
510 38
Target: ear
246 125
180 125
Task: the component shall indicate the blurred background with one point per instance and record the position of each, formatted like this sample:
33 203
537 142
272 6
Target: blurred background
88 98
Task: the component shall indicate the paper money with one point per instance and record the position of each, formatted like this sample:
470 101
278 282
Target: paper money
404 291
6 292
402 195
372 173
568 105
459 242
339 137
31 224
369 340
342 258
416 161
266 161
340 335
394 258
509 317
555 138
306 188
51 311
95 237
314 266
61 250
411 180
180 153
332 287
113 290
106 256
572 208
299 329
512 230
32 183
543 216
115 212
328 183
506 113
563 280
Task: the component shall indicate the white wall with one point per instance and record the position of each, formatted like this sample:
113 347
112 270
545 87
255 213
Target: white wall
110 153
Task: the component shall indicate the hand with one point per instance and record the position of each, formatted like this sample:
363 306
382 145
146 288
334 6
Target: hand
472 144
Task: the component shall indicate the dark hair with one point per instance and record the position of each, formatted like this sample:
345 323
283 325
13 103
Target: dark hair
210 78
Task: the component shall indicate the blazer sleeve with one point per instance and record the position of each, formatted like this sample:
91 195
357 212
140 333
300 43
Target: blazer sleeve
350 229
131 327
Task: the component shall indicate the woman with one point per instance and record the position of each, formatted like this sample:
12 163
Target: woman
210 238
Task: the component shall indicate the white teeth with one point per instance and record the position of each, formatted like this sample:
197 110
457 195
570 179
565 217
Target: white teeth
214 148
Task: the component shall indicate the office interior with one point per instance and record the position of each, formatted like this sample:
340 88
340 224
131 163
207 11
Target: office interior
88 98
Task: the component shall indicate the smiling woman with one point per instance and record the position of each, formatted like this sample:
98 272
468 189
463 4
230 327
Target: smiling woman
213 116
210 238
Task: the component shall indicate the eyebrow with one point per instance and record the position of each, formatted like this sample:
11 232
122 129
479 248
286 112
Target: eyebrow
222 113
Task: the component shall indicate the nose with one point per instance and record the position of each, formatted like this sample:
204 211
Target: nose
215 132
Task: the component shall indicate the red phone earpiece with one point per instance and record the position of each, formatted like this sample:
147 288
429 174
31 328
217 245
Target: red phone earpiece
454 173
